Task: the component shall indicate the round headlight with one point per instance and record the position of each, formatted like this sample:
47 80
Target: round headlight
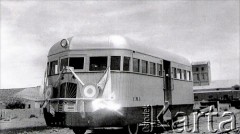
49 92
90 91
64 43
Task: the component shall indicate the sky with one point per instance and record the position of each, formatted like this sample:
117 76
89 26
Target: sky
199 30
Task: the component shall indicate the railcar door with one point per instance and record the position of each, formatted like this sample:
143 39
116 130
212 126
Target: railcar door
167 81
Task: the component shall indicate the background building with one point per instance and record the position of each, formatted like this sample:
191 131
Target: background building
201 73
220 93
219 90
25 96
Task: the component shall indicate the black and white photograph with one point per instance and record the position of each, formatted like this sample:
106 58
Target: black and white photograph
119 66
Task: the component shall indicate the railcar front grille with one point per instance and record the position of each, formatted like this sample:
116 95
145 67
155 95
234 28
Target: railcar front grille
68 90
60 108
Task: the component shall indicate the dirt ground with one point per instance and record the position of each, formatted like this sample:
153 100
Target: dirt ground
38 126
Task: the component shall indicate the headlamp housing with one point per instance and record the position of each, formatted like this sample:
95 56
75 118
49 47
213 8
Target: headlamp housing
64 43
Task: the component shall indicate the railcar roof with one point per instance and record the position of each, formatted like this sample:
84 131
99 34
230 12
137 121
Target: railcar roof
115 42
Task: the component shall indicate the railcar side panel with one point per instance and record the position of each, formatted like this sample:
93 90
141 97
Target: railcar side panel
182 92
130 89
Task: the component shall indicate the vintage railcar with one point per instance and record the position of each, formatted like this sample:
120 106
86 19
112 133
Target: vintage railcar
109 81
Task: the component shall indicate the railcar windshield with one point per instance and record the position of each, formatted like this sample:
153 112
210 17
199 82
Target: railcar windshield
76 62
98 63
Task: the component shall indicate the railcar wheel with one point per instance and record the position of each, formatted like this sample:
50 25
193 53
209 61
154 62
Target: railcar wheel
79 130
132 129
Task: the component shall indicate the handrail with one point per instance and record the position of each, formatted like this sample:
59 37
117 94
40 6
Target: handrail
164 80
75 75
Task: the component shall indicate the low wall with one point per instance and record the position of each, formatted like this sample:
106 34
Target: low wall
19 113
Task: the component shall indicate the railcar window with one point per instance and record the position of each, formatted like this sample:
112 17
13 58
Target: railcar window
98 63
126 64
76 62
174 72
159 69
144 66
179 74
136 65
184 74
53 67
115 62
152 68
188 75
64 63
